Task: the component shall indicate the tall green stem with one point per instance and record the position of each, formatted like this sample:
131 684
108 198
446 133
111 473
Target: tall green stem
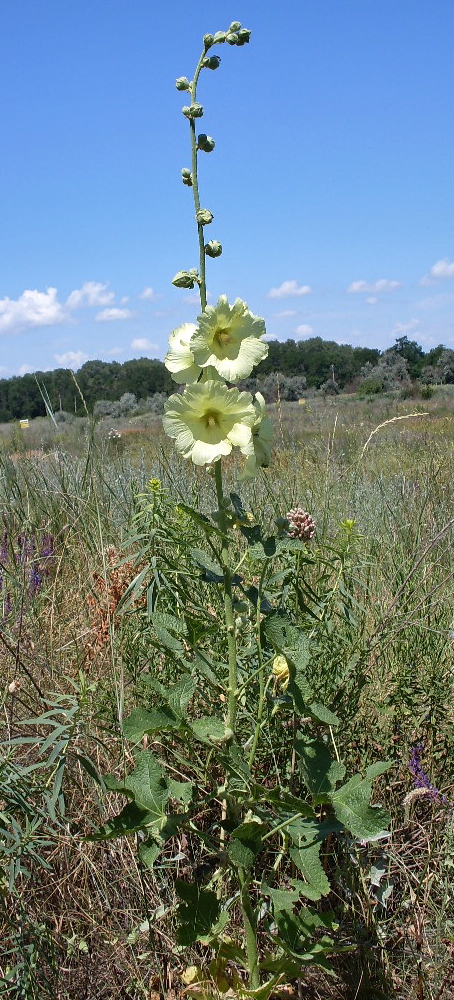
228 603
195 187
250 927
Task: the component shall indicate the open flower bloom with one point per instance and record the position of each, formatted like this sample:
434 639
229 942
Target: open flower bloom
259 449
179 359
208 419
228 338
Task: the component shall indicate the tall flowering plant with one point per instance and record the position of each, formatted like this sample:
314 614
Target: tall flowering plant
236 775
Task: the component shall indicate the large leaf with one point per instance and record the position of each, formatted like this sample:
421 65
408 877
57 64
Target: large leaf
212 570
129 820
296 932
352 806
140 721
307 860
162 625
180 694
148 786
320 772
245 844
197 912
282 899
210 729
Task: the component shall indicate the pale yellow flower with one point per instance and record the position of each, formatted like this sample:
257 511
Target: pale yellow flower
208 419
259 452
179 359
228 339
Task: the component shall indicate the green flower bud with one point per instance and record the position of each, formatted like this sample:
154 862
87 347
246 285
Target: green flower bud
235 26
232 38
243 36
186 279
219 37
194 111
182 83
211 62
208 41
213 248
186 176
205 143
204 216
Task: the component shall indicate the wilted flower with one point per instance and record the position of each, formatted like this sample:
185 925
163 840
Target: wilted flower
179 359
262 435
281 673
302 524
208 419
228 339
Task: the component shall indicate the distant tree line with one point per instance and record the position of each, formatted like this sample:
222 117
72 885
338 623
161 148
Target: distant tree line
108 380
290 368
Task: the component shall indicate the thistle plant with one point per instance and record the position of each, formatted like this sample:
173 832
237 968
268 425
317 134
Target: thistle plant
238 748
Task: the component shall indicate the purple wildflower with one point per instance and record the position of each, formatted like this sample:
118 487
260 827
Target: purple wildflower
36 579
47 547
420 778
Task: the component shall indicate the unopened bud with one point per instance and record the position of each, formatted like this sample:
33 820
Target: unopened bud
205 143
204 216
186 176
208 41
235 26
219 37
193 111
243 36
232 38
212 62
213 248
182 83
186 279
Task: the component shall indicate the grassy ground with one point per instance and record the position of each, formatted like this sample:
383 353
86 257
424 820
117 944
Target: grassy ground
74 914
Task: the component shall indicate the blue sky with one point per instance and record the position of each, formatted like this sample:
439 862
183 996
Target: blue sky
331 183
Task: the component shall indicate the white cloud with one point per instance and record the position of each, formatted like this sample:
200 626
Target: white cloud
441 269
285 313
401 329
382 285
114 352
72 359
304 330
289 288
110 315
372 300
269 336
143 344
3 371
24 369
149 294
31 309
92 293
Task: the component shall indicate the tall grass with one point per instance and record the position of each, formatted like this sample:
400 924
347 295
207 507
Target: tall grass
80 919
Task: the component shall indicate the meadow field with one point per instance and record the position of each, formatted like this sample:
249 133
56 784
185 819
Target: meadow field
95 539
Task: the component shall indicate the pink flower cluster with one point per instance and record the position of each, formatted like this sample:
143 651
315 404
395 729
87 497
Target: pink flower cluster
302 524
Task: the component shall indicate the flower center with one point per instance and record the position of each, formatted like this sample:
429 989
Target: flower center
212 418
221 337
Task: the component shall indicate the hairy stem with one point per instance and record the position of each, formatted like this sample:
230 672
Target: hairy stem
195 187
228 603
250 927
